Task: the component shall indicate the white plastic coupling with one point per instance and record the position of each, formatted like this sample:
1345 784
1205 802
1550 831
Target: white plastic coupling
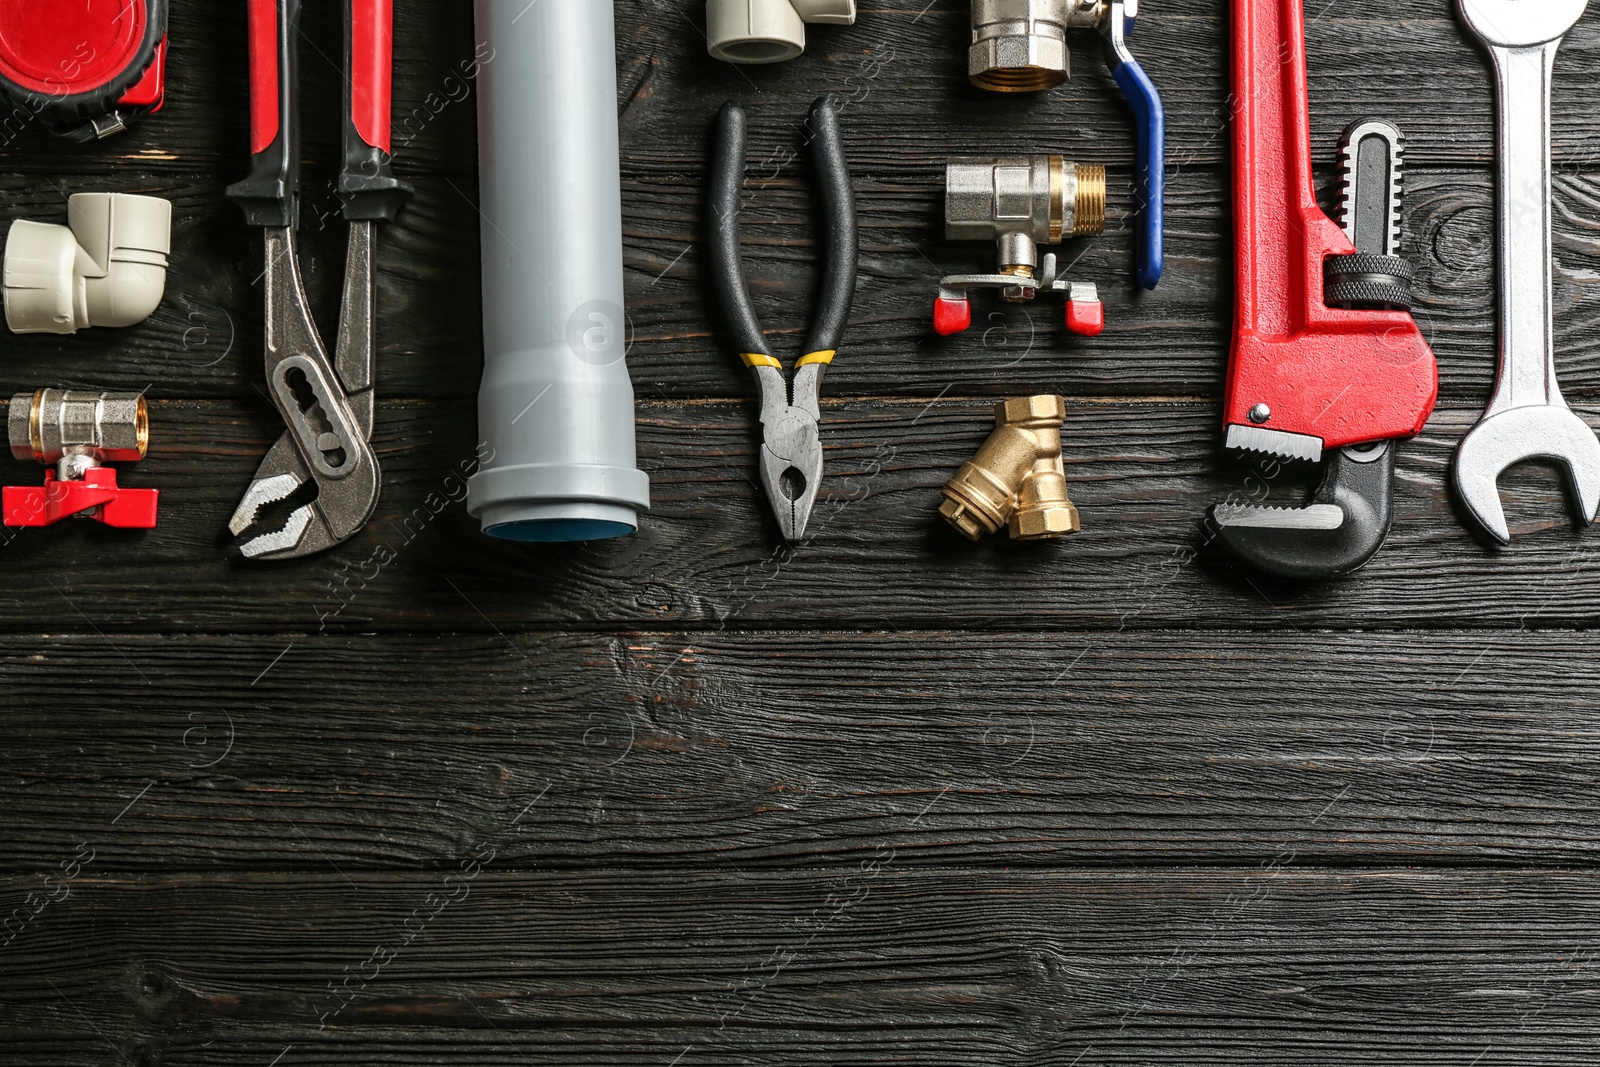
106 267
768 31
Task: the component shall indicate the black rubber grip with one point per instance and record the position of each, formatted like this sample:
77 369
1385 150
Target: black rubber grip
727 272
839 239
840 236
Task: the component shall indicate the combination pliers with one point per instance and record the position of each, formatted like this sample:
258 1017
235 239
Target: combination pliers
326 404
791 448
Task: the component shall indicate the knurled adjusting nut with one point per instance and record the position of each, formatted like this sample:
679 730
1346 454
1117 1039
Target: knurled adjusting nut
1368 279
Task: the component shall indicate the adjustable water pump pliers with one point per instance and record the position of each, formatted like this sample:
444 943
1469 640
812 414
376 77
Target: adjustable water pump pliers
791 450
326 404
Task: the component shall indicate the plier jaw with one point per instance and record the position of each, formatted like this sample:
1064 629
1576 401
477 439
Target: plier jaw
791 447
326 404
791 470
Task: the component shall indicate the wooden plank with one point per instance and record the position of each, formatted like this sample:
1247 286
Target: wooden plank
1142 473
905 63
1171 342
205 339
904 66
866 964
202 129
701 750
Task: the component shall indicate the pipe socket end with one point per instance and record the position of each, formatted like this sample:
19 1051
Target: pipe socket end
768 31
1018 64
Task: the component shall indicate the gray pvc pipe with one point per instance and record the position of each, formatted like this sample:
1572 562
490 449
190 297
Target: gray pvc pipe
555 413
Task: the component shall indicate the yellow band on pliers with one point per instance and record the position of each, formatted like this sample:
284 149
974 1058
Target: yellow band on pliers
756 359
816 357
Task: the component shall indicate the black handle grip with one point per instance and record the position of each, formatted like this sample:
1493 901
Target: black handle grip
840 236
727 273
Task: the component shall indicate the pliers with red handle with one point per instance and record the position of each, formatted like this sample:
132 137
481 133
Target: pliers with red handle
327 404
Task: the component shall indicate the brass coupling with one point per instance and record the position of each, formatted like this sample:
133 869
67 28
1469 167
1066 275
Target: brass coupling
1017 478
1022 202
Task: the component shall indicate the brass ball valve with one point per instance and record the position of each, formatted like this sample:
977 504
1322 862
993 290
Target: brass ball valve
1020 46
1017 479
1020 203
77 434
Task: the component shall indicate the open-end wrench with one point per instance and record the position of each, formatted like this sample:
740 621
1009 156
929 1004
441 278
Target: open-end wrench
1306 375
1527 417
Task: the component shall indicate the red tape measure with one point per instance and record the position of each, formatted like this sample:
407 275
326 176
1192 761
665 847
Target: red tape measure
85 68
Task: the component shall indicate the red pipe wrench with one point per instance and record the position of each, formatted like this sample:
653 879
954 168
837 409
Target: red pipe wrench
1325 358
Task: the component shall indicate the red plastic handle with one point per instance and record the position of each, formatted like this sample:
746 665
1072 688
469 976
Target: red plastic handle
264 75
366 181
371 69
270 193
1346 377
97 495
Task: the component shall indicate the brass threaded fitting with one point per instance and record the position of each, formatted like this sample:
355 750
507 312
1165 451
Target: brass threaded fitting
1017 477
1018 79
1089 206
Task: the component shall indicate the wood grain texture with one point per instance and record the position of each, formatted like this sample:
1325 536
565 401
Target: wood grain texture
861 965
708 557
884 797
707 750
205 340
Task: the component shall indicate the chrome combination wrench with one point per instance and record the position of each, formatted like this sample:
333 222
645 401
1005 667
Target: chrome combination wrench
1527 417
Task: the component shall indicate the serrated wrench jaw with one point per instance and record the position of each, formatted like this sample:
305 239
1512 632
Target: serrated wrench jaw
1346 524
1275 442
262 491
1255 517
285 543
1509 437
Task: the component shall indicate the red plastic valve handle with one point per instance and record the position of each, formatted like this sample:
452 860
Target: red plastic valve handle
1346 377
97 494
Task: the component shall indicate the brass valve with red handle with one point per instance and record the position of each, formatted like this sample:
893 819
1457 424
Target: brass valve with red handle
78 433
1020 203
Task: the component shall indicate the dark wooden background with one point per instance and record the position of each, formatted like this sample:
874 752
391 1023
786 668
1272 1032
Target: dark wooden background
696 798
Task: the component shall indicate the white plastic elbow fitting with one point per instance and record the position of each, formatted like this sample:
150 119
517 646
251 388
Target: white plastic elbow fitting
106 267
768 31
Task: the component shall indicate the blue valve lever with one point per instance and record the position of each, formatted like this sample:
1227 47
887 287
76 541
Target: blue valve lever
1150 133
1020 46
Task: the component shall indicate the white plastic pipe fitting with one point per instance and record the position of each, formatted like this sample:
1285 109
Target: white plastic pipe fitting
106 267
768 31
